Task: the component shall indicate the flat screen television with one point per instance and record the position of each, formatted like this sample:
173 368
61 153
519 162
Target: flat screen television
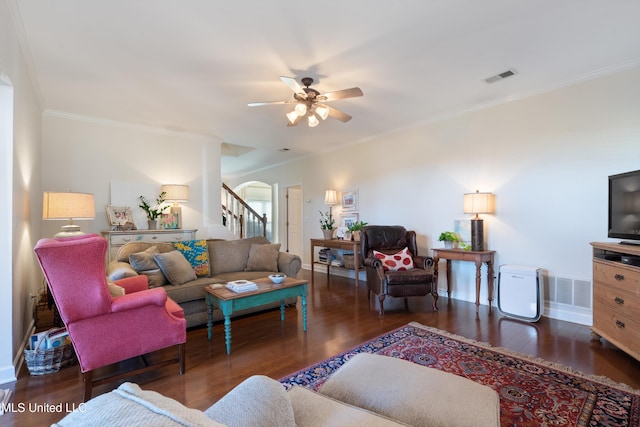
624 206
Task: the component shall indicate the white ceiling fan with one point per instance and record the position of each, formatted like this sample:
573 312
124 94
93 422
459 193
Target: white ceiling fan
309 102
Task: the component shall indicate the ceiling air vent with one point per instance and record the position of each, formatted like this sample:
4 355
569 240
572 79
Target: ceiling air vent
501 76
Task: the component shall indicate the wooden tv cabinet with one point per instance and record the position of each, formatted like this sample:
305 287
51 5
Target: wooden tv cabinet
616 295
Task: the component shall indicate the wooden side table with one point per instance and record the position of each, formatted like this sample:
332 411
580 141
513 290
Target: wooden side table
478 257
351 245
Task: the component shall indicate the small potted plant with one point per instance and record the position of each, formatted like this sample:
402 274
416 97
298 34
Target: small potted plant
153 212
355 228
449 238
327 224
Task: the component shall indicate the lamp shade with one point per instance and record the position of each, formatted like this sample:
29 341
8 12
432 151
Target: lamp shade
175 192
322 111
479 203
68 206
330 197
313 121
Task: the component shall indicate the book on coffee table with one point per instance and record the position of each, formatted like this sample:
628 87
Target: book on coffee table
242 286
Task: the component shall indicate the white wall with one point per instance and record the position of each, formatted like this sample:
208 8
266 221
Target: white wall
20 193
546 158
87 154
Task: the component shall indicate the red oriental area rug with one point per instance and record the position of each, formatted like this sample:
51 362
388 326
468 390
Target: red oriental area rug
532 392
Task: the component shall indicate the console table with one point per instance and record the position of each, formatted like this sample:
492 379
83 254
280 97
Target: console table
116 239
350 245
478 257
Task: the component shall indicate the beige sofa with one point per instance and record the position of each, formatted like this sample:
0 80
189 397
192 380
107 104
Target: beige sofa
229 260
369 390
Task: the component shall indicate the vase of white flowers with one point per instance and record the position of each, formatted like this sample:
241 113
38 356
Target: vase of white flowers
327 224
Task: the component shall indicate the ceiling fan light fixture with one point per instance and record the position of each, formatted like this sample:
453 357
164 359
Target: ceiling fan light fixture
292 116
322 111
313 121
300 109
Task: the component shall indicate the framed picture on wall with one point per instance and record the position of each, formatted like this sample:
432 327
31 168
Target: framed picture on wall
348 219
349 201
120 218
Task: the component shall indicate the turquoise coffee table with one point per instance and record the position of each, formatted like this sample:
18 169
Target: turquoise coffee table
228 301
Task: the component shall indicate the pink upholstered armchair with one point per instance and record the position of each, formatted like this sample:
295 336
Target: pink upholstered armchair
105 329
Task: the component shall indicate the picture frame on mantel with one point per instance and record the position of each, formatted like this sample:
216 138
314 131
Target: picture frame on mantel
169 221
349 201
120 218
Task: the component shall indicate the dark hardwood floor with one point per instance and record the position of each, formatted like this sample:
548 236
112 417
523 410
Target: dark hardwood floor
340 316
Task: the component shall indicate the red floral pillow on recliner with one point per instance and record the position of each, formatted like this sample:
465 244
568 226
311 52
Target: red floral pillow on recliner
400 261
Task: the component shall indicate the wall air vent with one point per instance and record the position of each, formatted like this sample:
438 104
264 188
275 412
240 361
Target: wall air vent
501 76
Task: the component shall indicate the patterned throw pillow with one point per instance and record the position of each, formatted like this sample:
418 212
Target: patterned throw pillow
195 251
400 261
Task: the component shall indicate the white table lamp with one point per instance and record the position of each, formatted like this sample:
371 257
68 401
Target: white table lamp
68 206
176 193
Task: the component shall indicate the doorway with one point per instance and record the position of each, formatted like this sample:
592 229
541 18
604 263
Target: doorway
293 220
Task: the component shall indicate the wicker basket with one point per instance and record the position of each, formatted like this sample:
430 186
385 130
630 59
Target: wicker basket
41 362
348 261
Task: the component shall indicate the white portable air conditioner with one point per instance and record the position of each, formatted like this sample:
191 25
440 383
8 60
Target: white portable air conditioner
520 293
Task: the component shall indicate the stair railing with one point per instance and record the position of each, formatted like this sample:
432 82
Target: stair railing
240 218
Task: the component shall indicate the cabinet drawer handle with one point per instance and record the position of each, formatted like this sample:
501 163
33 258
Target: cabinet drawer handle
619 277
619 324
154 237
619 300
126 239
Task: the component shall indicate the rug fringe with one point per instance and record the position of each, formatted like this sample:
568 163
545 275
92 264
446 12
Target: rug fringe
554 365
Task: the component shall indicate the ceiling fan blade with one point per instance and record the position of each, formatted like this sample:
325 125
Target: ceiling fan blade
337 114
341 94
260 104
294 86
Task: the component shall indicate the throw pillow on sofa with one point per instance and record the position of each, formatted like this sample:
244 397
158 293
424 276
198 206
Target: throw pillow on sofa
400 261
263 257
143 263
195 251
175 267
227 256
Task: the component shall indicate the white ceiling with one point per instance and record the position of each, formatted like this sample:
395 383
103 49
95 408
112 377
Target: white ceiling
193 65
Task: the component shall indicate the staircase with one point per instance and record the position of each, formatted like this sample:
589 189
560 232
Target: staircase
239 218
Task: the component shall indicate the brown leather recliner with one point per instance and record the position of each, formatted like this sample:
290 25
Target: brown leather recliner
390 240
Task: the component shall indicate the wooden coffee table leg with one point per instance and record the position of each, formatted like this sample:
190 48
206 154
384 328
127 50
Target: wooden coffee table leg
303 297
209 316
227 309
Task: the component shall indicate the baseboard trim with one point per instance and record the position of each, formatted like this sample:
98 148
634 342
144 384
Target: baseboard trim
10 373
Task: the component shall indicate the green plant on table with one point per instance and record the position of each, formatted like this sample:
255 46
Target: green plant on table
449 236
357 226
153 212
